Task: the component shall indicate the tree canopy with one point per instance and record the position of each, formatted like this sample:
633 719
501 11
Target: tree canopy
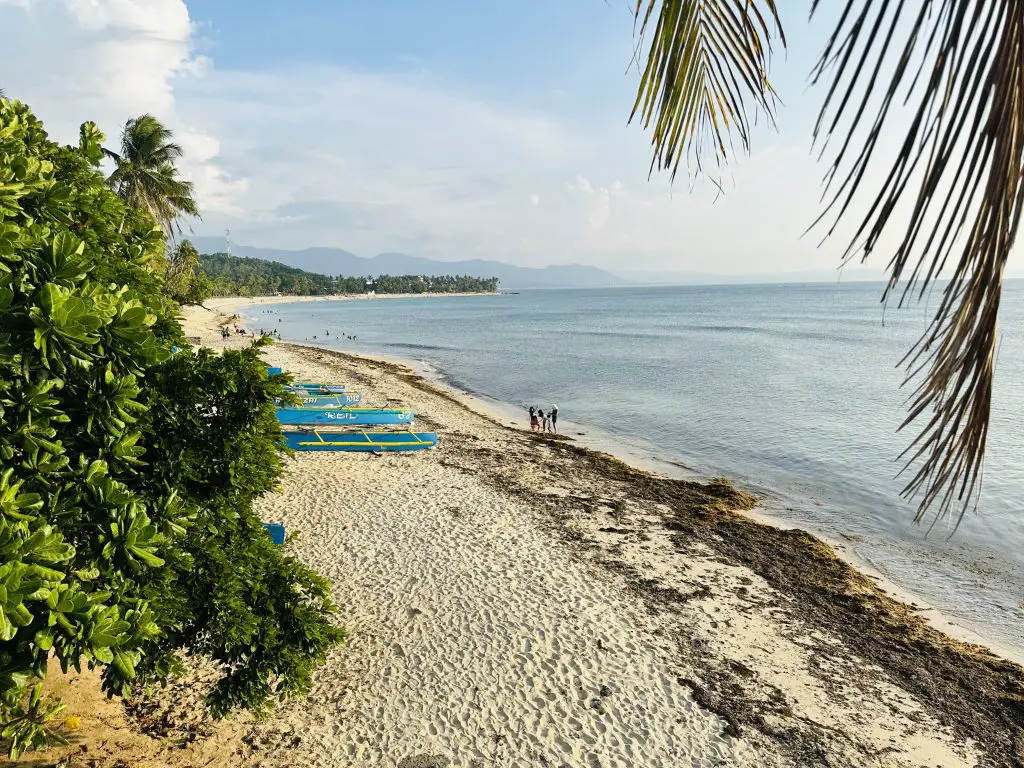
146 175
130 462
185 282
243 276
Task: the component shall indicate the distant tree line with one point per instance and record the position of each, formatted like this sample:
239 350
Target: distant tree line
238 276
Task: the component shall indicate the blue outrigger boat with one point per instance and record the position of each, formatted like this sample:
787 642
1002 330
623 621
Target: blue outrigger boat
315 388
344 416
360 441
339 400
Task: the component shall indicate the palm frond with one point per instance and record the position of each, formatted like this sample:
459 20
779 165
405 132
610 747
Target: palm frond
145 175
708 59
961 160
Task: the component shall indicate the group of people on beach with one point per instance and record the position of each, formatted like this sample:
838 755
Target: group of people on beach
544 422
226 334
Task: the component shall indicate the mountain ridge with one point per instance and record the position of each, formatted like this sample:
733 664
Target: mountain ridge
337 261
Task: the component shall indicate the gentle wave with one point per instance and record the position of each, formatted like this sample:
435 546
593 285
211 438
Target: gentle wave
420 347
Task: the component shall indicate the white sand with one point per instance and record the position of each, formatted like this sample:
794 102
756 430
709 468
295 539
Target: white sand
472 636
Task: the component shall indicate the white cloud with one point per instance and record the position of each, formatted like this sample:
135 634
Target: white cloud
107 61
372 162
216 190
323 155
197 145
597 200
118 55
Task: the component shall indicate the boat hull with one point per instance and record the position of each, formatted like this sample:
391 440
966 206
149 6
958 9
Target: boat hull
339 400
329 401
360 441
344 416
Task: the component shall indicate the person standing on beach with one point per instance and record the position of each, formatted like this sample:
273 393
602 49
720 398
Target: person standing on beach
533 419
543 420
553 416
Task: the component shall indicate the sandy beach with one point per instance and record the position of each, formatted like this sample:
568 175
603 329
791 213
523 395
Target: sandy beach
516 600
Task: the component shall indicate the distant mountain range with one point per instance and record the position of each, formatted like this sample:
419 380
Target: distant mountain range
335 261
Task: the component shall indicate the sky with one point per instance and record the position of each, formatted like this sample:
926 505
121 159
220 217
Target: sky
451 130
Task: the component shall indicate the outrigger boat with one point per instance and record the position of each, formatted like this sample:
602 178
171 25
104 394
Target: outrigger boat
315 388
344 416
339 400
360 441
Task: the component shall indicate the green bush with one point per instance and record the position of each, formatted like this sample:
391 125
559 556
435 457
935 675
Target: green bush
127 529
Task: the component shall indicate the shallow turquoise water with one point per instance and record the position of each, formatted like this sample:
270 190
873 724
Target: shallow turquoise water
791 390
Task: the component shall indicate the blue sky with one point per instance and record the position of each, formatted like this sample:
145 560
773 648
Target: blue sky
445 129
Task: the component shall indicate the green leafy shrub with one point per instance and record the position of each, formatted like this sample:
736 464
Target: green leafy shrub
127 531
213 436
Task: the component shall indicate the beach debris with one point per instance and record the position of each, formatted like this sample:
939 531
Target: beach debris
425 761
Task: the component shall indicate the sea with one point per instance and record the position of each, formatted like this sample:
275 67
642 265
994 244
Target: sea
791 391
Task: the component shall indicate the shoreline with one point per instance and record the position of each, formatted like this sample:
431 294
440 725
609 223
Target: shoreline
501 414
232 303
797 653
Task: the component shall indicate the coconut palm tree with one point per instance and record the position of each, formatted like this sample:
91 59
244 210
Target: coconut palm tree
145 175
958 65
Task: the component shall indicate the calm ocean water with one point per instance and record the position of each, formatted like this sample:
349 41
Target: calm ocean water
790 390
